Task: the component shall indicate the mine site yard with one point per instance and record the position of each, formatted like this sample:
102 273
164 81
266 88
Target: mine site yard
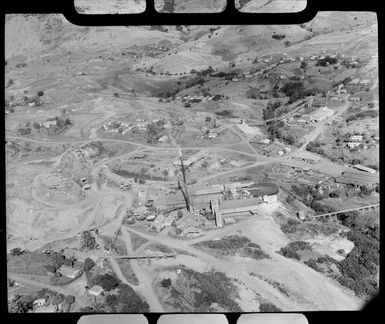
192 168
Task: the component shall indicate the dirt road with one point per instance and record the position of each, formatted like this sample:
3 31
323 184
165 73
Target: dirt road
341 300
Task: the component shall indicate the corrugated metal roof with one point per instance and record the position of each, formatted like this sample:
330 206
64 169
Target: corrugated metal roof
364 168
68 271
237 203
358 178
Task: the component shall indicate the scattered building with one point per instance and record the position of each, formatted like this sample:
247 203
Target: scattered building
191 160
39 302
352 145
69 271
95 290
124 183
355 99
356 138
358 178
238 206
364 168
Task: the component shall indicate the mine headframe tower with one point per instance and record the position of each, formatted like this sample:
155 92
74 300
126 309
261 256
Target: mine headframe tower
183 187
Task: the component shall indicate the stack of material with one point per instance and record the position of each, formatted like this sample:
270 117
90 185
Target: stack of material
192 222
158 223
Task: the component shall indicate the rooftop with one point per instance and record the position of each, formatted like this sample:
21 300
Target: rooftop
237 203
68 271
95 289
364 168
358 178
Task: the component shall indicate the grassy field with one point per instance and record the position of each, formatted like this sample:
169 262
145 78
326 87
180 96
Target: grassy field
196 291
30 263
128 273
137 241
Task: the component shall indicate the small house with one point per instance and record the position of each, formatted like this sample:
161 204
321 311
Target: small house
69 271
39 302
356 138
353 144
95 290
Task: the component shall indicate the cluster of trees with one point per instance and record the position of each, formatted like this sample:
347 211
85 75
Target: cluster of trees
169 94
278 36
254 251
327 61
88 241
225 113
165 8
24 303
20 304
195 81
154 131
275 131
33 99
296 90
139 177
268 307
88 264
57 260
213 287
290 226
253 93
226 243
166 283
360 267
124 301
106 281
10 82
362 115
312 197
269 112
315 147
205 72
17 251
303 65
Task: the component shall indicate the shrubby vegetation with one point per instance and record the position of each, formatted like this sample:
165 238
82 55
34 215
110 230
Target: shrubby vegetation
326 61
290 250
199 290
269 307
106 281
290 226
362 115
225 113
315 147
296 90
269 112
278 36
233 244
24 303
88 241
274 129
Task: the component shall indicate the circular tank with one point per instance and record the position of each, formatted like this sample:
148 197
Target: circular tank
261 189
